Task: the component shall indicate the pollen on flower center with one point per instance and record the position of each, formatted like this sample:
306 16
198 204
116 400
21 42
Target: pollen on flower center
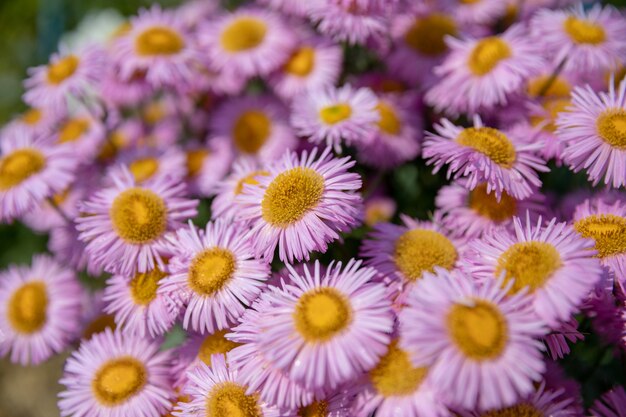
517 410
230 400
250 179
27 307
251 131
143 287
559 87
488 206
611 126
243 34
62 69
395 375
118 380
32 116
421 250
291 195
317 409
73 130
159 40
490 142
583 31
213 344
607 230
143 168
487 54
478 329
301 62
195 160
530 264
322 313
211 270
427 34
389 121
335 113
20 165
139 215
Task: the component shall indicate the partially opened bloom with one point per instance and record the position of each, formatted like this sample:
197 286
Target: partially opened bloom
124 224
313 327
553 263
302 205
335 115
473 337
114 375
611 404
213 274
40 310
485 155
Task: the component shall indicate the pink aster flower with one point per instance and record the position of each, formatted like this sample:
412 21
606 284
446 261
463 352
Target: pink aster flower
207 165
213 274
480 74
483 12
585 40
472 337
312 326
302 205
336 115
557 340
30 171
157 46
485 155
66 246
553 263
289 7
612 404
124 225
39 310
378 210
594 134
151 164
114 375
82 135
36 122
255 127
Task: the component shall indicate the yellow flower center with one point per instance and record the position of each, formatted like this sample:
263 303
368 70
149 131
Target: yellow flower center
27 307
611 125
291 195
395 375
321 314
143 287
211 270
214 344
518 410
317 409
251 131
421 250
479 331
488 206
139 215
553 107
469 1
73 130
159 40
487 54
143 168
375 214
389 85
250 179
118 380
427 34
154 112
62 69
607 230
98 325
243 34
20 165
301 62
229 399
490 142
559 87
389 121
335 113
195 160
32 116
530 264
583 31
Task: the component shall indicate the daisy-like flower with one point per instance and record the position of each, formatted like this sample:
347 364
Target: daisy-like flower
479 74
39 310
473 338
207 165
585 40
313 325
553 262
255 126
148 164
124 225
557 340
157 46
302 205
83 135
378 210
336 115
114 375
485 155
314 65
290 7
35 122
30 171
482 12
248 42
214 274
66 75
66 246
542 127
472 213
594 132
612 404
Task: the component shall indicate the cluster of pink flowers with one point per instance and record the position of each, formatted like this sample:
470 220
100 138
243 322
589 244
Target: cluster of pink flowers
310 291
